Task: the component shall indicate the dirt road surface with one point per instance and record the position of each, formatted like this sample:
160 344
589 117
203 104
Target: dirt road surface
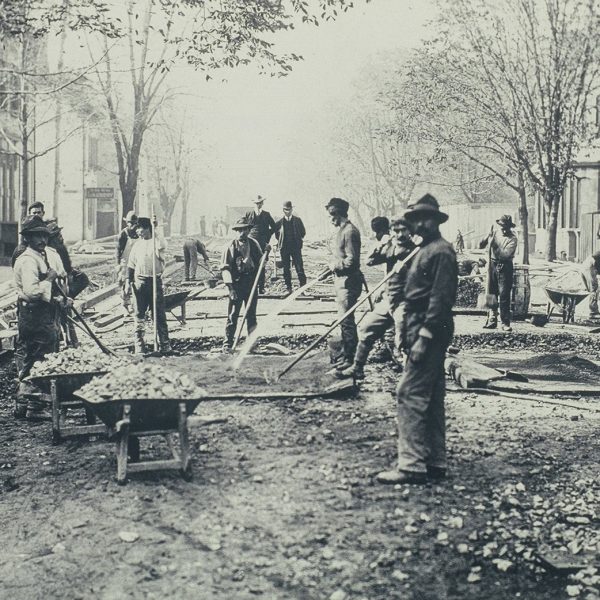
283 505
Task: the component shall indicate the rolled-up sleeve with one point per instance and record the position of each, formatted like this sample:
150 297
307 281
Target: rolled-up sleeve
26 273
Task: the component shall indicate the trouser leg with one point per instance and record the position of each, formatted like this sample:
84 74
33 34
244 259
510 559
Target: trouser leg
398 315
505 284
193 264
495 291
299 266
143 299
420 411
250 309
161 315
372 328
233 312
287 269
186 262
347 297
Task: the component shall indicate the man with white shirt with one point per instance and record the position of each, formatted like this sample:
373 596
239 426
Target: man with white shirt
290 233
141 278
37 272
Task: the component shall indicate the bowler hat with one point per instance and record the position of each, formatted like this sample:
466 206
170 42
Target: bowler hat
258 199
33 224
426 205
144 222
130 217
338 204
506 222
241 224
287 205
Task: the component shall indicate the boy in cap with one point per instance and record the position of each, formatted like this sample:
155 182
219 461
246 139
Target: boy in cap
239 266
36 271
503 248
389 311
262 227
347 276
430 293
141 278
290 233
127 239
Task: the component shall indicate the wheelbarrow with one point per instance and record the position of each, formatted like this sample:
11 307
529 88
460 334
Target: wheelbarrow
174 300
564 302
60 388
128 419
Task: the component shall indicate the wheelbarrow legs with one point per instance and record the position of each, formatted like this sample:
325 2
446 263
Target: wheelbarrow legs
123 444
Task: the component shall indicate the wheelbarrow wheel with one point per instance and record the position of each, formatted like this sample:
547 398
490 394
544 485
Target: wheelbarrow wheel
187 473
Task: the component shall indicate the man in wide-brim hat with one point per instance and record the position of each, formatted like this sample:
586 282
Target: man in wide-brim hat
239 265
36 272
429 294
503 246
127 238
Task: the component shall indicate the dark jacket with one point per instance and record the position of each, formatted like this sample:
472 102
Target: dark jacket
262 227
124 236
298 229
430 291
240 266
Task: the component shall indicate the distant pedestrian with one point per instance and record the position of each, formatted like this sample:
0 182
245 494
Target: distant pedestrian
191 248
503 248
459 243
290 233
262 227
239 266
347 276
430 294
215 227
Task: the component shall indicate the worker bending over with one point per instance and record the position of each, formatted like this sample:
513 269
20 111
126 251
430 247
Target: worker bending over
503 247
389 311
141 278
37 271
430 294
191 247
240 265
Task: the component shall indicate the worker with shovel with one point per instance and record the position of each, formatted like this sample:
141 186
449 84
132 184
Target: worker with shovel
430 293
347 276
36 272
241 266
502 247
191 248
145 267
389 311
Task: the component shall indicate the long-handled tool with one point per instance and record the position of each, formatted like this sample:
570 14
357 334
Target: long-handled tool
85 327
154 291
240 328
399 265
367 290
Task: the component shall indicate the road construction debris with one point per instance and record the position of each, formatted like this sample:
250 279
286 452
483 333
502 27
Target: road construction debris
142 381
76 360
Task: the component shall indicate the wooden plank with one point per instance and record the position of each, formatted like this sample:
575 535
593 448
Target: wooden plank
154 465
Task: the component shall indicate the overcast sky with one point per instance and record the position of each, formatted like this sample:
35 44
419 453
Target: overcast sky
272 136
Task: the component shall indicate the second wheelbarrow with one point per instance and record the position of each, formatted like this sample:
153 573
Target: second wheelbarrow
60 388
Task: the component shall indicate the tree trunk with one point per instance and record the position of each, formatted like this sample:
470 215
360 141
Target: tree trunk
24 137
551 205
524 219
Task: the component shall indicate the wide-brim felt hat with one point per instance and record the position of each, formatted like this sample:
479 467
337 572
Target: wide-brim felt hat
53 228
33 224
130 217
258 199
241 224
426 205
506 221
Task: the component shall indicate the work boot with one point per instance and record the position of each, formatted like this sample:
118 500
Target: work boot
507 328
436 473
356 370
288 289
226 348
398 477
165 348
139 347
491 324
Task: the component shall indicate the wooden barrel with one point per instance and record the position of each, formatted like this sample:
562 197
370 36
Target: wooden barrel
521 293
